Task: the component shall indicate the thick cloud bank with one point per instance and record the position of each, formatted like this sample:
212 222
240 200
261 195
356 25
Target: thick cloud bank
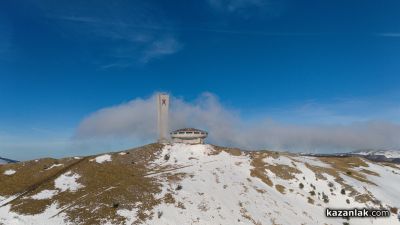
137 120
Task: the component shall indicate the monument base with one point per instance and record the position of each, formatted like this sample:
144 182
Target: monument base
163 141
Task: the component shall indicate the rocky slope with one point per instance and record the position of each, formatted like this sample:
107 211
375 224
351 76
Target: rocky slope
195 184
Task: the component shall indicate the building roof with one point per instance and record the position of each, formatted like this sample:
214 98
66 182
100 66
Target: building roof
189 130
188 134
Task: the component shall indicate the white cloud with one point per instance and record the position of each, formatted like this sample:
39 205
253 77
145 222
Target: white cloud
129 33
249 8
159 48
132 119
137 120
389 34
234 5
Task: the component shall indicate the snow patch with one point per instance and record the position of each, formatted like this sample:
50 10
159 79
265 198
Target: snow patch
9 172
67 181
102 158
130 215
45 194
4 200
281 160
54 165
313 161
49 216
206 192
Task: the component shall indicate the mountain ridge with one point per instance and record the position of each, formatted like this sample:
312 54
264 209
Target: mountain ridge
195 184
5 160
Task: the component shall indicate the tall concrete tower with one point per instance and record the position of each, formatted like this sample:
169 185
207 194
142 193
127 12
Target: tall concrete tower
162 107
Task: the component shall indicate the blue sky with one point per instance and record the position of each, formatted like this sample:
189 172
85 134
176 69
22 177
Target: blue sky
303 63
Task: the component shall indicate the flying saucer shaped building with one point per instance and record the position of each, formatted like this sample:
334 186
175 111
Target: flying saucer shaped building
189 136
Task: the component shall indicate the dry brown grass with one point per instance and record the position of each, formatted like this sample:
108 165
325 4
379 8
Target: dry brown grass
231 151
394 210
128 182
283 171
261 191
259 169
310 200
345 161
280 188
121 183
369 172
245 214
346 166
28 173
392 165
363 198
176 177
169 199
181 205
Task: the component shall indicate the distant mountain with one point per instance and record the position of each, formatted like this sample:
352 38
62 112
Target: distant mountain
5 161
182 184
387 153
379 155
392 156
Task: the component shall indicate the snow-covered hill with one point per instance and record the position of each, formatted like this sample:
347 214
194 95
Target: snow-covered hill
195 184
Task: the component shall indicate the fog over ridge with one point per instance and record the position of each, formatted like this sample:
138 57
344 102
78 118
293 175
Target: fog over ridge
136 119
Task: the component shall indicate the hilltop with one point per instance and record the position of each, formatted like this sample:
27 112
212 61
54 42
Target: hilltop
195 184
